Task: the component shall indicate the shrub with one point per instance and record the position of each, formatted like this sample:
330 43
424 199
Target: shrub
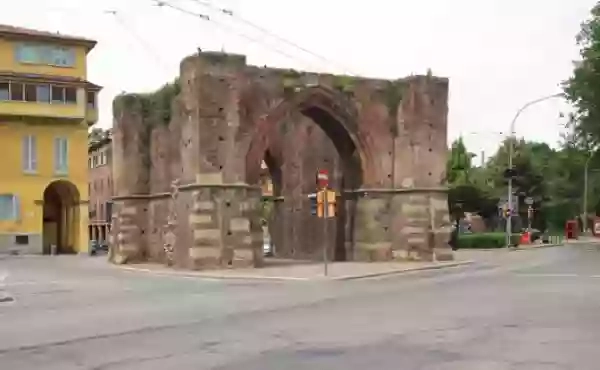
485 240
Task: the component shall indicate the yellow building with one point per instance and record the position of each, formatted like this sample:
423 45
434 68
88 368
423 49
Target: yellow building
46 107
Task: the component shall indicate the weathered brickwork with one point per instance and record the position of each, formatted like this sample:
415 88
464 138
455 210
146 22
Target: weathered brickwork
187 166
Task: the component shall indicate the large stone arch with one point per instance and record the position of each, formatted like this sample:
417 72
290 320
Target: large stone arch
222 124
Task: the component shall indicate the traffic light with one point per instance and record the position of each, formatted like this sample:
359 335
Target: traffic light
331 202
317 203
510 173
314 205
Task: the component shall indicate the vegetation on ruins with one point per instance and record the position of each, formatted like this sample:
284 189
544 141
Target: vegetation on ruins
156 107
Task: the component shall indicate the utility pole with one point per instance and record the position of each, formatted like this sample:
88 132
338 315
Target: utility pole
586 171
510 172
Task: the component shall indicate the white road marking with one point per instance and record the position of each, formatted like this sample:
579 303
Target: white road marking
558 275
5 297
3 277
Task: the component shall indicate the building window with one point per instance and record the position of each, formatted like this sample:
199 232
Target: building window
9 207
61 155
58 94
22 239
109 208
91 99
4 91
30 93
65 95
16 91
45 54
43 93
29 154
94 161
70 95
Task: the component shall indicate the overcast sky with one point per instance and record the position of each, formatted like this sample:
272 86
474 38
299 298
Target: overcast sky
498 54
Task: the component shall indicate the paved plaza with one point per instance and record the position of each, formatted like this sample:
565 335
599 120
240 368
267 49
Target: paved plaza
532 309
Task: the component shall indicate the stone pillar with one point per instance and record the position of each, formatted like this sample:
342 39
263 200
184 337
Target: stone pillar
412 225
225 227
215 218
131 167
420 211
372 236
441 226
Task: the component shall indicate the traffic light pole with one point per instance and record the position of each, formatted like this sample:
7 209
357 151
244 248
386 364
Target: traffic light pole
510 202
325 229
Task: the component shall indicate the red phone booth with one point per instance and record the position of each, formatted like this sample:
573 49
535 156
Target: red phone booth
572 229
596 228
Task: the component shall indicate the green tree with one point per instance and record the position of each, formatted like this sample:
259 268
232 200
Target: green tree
583 87
463 195
458 166
96 134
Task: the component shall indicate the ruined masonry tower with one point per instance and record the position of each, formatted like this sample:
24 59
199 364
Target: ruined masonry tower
187 162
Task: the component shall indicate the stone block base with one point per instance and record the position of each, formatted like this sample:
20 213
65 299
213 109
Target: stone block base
373 252
402 224
224 224
444 254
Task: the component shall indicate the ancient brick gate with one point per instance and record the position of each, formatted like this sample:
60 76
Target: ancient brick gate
187 161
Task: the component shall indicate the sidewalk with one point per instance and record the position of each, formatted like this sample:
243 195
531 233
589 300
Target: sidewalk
302 271
584 240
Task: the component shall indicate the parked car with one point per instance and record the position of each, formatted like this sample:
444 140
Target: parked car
98 246
267 248
535 235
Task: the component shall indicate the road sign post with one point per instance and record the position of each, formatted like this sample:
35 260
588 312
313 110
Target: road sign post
529 202
322 185
325 230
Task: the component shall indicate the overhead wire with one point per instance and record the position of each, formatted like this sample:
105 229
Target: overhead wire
265 31
204 17
138 38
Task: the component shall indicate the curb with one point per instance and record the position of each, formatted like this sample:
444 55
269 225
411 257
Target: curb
290 278
519 248
538 246
398 272
201 275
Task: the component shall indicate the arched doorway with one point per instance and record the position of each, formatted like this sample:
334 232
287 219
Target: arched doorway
284 133
270 183
61 217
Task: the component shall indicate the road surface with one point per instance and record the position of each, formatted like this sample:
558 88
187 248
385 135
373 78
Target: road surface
530 310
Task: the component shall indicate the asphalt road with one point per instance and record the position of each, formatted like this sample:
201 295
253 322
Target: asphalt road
536 309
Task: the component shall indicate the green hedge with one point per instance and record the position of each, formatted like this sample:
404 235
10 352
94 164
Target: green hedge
485 240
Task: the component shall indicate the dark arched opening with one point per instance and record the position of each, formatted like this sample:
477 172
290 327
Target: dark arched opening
61 217
293 150
351 179
270 182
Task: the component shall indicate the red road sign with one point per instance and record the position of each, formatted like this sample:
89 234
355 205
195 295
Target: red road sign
323 178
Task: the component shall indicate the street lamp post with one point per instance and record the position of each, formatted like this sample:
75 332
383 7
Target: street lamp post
586 171
585 193
510 161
